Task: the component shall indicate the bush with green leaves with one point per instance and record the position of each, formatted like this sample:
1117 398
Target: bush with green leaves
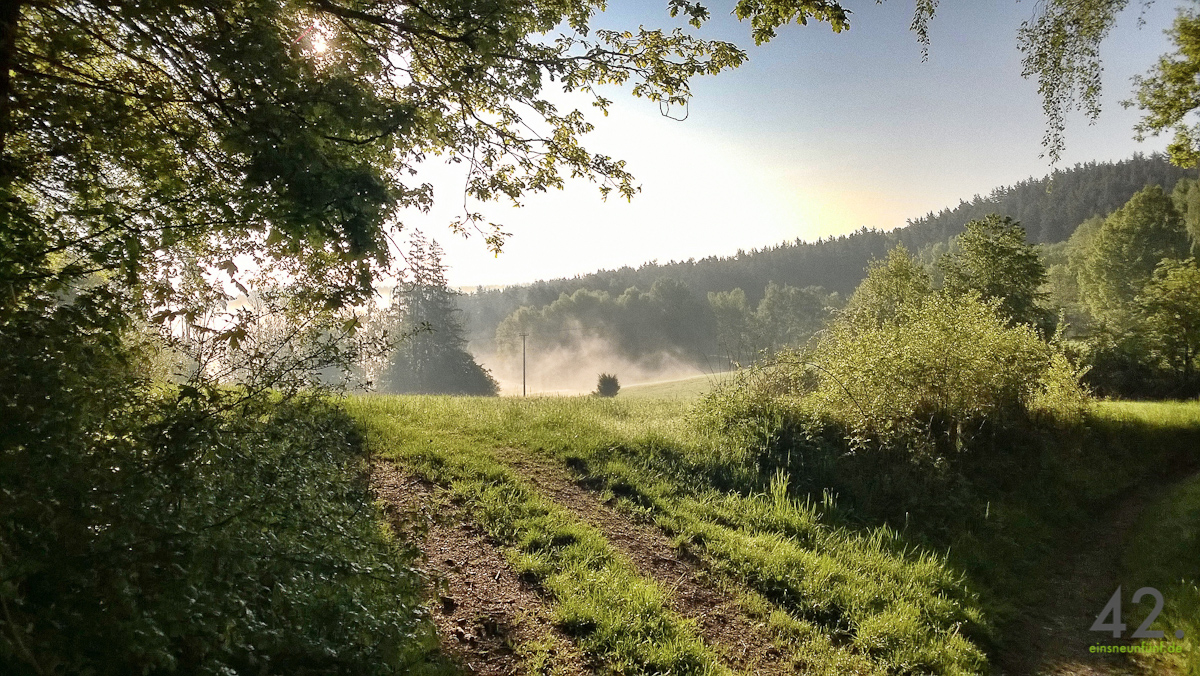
147 528
607 385
940 368
892 413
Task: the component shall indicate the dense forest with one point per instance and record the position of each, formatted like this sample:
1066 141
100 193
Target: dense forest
721 310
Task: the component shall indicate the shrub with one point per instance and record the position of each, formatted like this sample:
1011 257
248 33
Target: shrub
941 368
607 385
153 529
903 415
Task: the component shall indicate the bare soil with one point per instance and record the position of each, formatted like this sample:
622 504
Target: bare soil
486 616
743 642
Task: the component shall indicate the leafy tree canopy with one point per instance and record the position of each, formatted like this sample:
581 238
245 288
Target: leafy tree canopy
1170 92
1169 310
897 282
994 259
1126 250
280 130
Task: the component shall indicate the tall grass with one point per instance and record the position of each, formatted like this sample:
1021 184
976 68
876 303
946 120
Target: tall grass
839 600
620 620
1164 552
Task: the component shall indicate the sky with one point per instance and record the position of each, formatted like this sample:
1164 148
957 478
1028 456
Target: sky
817 135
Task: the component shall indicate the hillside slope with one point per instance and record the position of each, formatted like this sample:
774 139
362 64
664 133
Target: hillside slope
1050 208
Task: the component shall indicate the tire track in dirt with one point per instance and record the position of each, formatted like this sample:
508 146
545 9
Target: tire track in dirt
484 613
743 642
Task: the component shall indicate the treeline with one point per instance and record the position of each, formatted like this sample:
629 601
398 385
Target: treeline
1129 287
671 320
729 309
1049 208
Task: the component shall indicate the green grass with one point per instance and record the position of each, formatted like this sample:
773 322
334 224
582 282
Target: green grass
619 619
1165 554
685 389
837 594
1171 416
839 601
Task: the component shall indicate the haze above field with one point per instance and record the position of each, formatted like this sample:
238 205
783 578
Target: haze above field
818 134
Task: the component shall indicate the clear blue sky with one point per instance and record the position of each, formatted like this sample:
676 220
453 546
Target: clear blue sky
818 134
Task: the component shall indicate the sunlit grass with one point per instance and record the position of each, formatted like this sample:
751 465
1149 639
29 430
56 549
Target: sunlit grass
685 389
838 601
837 595
1171 415
618 618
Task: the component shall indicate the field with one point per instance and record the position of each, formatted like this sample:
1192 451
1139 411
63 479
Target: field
682 389
584 535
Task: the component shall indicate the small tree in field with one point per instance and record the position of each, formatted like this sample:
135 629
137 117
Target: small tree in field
607 386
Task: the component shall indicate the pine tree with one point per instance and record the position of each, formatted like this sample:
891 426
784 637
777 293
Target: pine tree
431 357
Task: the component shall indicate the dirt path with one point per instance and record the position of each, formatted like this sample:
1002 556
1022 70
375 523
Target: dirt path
743 642
487 618
1058 635
1086 575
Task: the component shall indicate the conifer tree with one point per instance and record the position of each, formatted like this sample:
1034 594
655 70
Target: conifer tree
431 357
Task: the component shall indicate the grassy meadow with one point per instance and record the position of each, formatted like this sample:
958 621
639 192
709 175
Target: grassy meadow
834 592
685 389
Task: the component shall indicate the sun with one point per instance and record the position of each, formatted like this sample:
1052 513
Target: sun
319 44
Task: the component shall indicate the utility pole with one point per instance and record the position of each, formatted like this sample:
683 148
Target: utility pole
523 363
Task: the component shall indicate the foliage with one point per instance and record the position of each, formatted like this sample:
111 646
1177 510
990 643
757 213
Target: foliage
1061 46
607 385
1169 318
736 337
1186 198
243 139
1168 93
431 357
992 258
891 285
785 317
154 529
1118 366
941 369
1125 251
902 415
1050 209
641 325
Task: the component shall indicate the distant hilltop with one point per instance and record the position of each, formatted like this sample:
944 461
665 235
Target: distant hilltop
1050 208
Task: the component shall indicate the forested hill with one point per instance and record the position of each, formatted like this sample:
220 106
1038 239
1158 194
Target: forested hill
1050 208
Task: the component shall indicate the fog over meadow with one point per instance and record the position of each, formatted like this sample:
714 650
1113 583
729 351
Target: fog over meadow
575 369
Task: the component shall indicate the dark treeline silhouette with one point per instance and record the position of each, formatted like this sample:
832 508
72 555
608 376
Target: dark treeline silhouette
1049 208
